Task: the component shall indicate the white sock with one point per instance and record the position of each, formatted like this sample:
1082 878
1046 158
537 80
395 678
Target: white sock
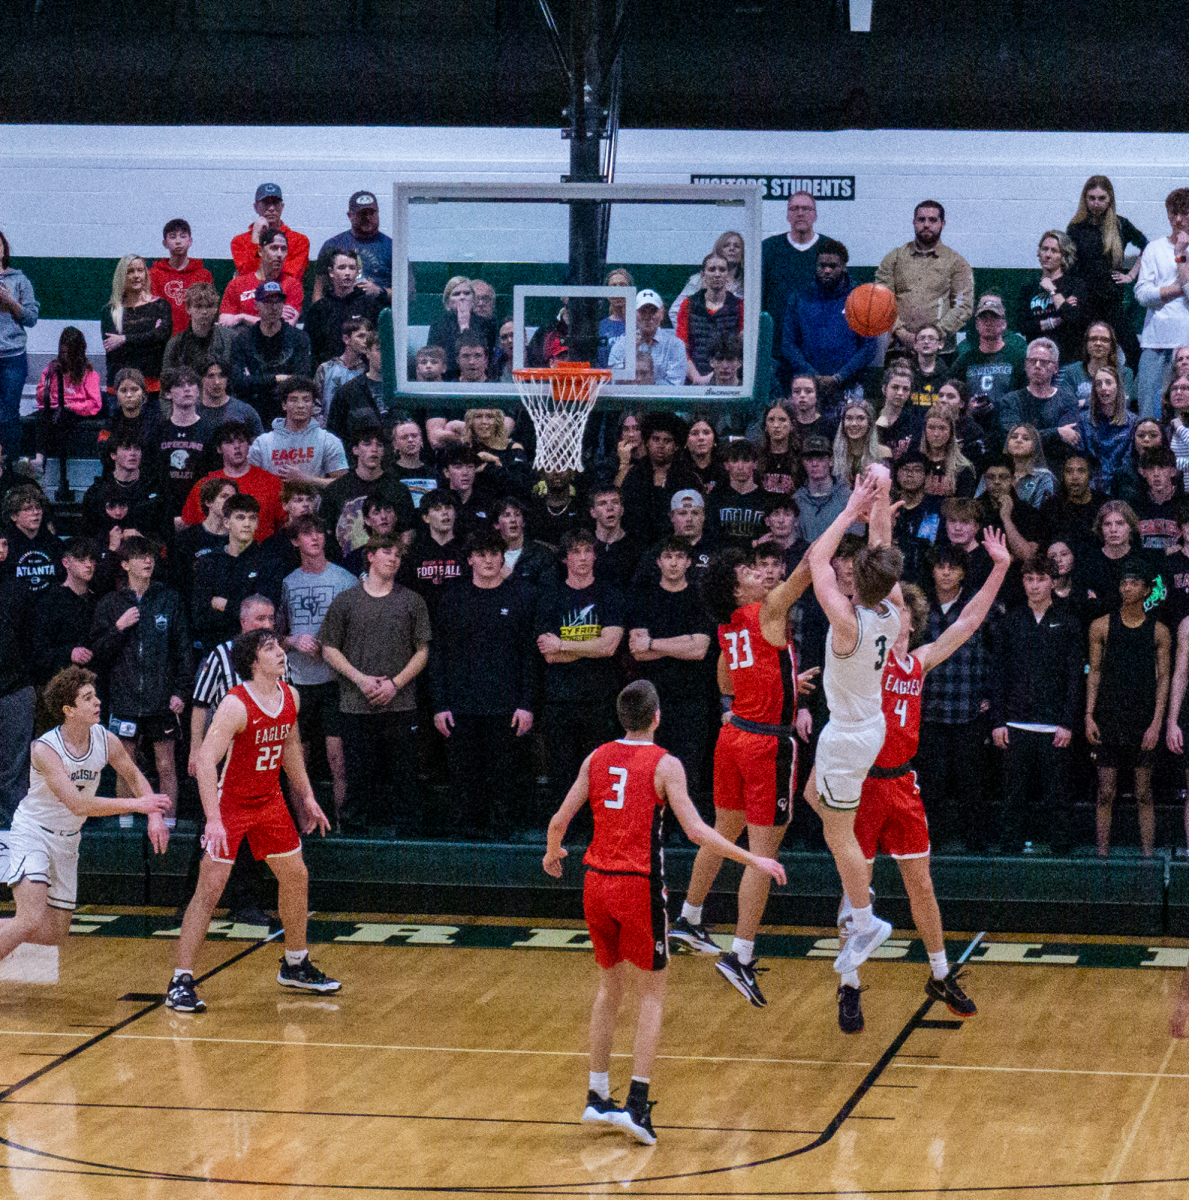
178 973
743 951
938 965
641 1079
600 1084
864 918
850 979
692 913
294 957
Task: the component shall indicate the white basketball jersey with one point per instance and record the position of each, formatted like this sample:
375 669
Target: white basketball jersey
41 805
853 682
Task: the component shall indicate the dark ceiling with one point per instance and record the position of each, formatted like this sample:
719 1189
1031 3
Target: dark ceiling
745 64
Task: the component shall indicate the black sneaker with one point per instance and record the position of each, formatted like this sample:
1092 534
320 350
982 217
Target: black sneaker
306 976
741 976
638 1124
950 993
182 997
601 1112
694 936
850 1009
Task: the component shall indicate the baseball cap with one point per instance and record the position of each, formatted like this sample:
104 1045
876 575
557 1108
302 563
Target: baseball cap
687 498
990 303
269 289
1135 568
268 191
817 447
362 200
648 296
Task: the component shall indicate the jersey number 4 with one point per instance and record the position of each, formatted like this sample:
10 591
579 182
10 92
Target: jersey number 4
739 648
620 775
901 710
268 757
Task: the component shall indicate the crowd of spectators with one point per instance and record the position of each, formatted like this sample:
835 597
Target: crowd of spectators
453 617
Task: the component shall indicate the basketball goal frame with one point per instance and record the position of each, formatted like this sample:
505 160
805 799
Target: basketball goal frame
744 204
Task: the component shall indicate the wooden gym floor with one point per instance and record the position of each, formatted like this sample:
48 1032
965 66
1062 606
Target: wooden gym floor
453 1061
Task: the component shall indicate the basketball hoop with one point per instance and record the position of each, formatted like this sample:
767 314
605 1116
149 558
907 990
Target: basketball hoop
560 400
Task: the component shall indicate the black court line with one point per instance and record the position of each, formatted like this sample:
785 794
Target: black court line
109 1030
581 1187
940 1025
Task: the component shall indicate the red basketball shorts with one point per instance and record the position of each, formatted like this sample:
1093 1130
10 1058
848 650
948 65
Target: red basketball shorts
268 827
755 773
627 920
891 818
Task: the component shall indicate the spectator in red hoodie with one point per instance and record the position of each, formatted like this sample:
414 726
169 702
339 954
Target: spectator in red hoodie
173 275
245 247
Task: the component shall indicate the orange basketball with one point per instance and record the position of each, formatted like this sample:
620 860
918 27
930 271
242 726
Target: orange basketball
871 309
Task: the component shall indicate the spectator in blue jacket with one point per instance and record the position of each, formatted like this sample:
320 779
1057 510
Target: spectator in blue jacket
816 338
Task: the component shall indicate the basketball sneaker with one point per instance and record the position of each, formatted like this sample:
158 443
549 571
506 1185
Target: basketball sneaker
306 976
601 1112
741 976
850 1009
860 946
182 996
950 993
638 1123
694 936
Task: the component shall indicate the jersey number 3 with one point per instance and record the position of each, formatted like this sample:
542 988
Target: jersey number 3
739 648
620 775
881 644
268 757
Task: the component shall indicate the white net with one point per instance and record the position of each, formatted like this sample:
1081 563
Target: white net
559 400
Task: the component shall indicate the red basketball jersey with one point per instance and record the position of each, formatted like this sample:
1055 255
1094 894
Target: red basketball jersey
901 710
627 810
252 772
765 676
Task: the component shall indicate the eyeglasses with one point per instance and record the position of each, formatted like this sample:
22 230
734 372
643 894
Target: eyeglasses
1041 361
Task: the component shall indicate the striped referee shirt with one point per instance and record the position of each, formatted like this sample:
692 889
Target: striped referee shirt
217 676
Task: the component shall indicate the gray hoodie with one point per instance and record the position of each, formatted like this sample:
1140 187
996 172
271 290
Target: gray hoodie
313 451
12 329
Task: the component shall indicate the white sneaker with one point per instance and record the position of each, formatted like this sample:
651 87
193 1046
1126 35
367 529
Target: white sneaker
860 946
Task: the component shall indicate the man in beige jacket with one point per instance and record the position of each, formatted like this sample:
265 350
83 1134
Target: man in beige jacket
933 284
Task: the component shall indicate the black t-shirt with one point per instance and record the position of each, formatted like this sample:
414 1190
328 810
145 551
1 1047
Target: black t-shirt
616 562
915 531
1158 527
820 426
666 615
578 615
925 388
183 451
738 516
342 505
418 480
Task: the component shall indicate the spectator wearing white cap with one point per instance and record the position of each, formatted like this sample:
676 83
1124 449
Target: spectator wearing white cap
245 247
365 239
669 360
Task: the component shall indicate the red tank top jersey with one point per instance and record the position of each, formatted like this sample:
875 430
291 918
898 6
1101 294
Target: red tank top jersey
252 773
902 711
765 677
627 811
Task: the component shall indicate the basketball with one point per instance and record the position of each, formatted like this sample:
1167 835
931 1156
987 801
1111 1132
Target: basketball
871 309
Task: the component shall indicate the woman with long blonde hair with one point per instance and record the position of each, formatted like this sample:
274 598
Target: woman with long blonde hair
136 325
856 444
503 464
729 246
1034 482
1100 237
948 471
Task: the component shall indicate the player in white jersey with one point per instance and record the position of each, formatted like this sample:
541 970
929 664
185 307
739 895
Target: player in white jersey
39 854
862 633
